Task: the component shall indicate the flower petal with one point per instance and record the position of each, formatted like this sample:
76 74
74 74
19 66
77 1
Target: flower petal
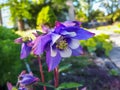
74 43
45 29
83 34
52 62
9 86
70 34
27 79
40 44
72 23
53 52
25 50
55 37
18 40
66 53
78 51
58 27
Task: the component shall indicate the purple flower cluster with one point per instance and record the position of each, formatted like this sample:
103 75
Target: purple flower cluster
62 41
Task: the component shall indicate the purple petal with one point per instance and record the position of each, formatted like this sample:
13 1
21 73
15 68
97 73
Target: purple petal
59 27
72 23
25 50
58 24
77 52
52 62
22 88
83 34
27 79
18 40
45 29
40 44
68 34
30 43
55 37
9 86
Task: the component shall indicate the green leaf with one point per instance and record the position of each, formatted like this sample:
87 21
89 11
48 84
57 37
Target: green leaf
45 84
68 85
64 67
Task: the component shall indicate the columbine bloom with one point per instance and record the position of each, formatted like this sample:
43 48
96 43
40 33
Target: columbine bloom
25 47
24 80
61 42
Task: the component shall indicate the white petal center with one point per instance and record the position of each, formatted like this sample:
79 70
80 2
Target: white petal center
66 53
74 44
71 34
55 37
53 52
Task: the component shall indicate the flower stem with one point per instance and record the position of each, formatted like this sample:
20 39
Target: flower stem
27 66
56 77
41 72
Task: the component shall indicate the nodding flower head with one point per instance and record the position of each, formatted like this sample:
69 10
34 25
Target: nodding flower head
26 46
27 79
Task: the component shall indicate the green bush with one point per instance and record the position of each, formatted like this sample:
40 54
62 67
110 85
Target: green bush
117 31
99 44
10 63
46 16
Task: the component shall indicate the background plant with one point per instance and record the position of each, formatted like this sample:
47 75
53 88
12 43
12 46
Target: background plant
10 62
46 16
99 44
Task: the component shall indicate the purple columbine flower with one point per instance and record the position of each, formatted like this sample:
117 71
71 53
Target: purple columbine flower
26 46
61 42
25 80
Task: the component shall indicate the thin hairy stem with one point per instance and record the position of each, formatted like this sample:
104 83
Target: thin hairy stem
41 71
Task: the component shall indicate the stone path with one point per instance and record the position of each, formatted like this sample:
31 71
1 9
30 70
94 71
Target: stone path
115 52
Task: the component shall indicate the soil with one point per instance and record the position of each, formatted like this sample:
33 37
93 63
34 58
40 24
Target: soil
92 77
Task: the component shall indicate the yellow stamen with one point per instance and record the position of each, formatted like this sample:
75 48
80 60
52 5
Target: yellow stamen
62 44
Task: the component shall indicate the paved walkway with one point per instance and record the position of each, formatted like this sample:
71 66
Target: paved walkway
115 52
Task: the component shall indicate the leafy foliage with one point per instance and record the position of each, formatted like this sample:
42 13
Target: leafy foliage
10 63
68 85
98 44
114 72
19 9
80 15
46 16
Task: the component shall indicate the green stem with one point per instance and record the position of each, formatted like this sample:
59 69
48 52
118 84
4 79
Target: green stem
27 66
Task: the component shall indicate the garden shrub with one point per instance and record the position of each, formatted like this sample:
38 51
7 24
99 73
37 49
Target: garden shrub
46 16
117 31
99 44
10 64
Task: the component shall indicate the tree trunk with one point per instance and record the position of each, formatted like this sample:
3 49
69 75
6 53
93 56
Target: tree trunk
21 25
